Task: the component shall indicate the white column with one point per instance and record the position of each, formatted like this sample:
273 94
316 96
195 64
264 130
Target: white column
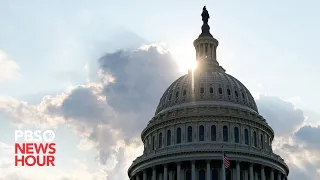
137 177
203 49
238 170
279 176
251 171
165 172
263 175
154 173
170 175
272 174
246 177
183 174
255 175
178 171
208 170
144 175
193 170
198 51
233 174
283 178
161 176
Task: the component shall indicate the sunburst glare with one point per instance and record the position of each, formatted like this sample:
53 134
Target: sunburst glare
185 57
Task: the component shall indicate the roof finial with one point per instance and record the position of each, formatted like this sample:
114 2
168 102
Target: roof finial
205 15
205 27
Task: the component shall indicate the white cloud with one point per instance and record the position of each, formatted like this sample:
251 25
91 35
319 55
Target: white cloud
295 141
22 113
9 69
6 155
110 114
281 115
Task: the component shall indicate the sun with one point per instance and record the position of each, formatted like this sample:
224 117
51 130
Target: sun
192 65
185 57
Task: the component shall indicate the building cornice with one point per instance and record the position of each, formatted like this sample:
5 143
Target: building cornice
206 151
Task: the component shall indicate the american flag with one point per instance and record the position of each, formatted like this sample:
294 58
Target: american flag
226 161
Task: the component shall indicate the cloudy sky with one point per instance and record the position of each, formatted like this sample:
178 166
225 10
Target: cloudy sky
94 71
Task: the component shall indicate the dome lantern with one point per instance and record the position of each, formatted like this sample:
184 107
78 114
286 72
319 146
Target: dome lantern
206 46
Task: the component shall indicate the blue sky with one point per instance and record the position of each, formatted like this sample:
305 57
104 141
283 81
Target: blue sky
49 48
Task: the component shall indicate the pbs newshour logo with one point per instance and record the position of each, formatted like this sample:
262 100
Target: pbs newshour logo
34 148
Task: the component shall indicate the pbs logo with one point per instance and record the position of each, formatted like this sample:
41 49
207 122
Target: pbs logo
37 135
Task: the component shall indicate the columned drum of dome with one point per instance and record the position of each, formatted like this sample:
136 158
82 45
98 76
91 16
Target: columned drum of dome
201 115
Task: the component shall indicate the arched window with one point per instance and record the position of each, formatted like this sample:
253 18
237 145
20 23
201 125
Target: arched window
215 175
160 140
246 136
255 139
178 135
189 134
202 175
211 90
170 96
220 90
201 90
213 133
184 92
229 92
225 134
153 142
236 135
236 93
188 175
168 137
262 141
201 133
177 94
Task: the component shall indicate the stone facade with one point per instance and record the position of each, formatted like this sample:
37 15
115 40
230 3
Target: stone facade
201 115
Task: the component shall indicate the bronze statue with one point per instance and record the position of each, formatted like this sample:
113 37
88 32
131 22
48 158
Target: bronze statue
205 15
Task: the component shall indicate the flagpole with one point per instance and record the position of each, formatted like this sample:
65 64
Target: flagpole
223 168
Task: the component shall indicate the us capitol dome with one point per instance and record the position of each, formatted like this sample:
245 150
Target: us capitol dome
201 116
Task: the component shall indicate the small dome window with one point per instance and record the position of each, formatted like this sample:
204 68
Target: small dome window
211 90
189 136
170 96
243 96
220 90
177 94
229 92
201 133
236 93
184 92
225 134
160 140
201 90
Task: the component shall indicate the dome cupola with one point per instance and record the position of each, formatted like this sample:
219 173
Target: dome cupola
206 46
